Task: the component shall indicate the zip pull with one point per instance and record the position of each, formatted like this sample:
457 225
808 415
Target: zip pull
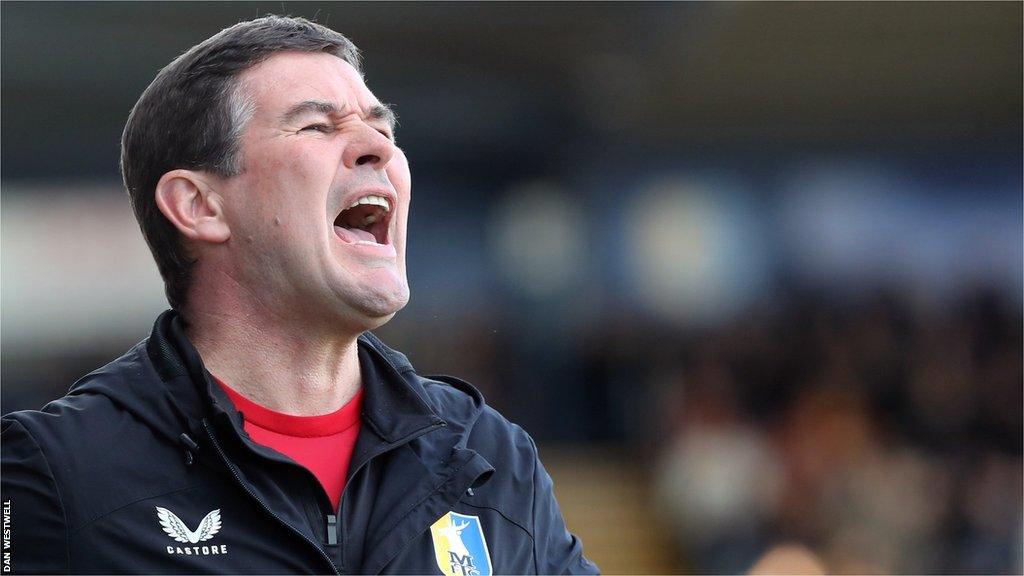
248 490
332 530
190 447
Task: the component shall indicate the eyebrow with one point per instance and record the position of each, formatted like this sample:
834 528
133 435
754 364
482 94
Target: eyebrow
381 112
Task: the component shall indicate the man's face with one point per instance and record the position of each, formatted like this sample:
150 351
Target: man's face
318 143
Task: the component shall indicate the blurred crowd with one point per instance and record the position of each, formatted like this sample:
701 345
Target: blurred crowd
885 438
882 433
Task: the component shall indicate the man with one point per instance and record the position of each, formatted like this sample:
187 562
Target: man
261 428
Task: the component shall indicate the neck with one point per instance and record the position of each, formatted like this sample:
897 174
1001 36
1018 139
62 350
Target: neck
282 365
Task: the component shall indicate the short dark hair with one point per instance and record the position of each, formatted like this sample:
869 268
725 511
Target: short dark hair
192 115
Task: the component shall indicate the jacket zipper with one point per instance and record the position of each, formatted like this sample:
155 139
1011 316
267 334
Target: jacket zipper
263 504
339 527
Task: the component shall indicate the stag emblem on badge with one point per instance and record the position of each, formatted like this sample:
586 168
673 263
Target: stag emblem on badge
459 545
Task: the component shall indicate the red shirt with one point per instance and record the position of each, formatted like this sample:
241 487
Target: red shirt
323 444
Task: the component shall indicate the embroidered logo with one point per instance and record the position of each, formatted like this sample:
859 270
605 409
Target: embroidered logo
176 529
459 545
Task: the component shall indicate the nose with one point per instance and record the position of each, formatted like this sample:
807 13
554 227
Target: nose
371 148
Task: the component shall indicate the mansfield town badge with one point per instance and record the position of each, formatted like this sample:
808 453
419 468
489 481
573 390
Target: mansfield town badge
459 546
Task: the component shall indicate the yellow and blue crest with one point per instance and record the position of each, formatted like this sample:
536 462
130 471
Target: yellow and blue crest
459 546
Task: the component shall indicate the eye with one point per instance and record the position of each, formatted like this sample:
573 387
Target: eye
324 128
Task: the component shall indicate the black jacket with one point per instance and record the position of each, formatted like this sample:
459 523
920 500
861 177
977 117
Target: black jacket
144 467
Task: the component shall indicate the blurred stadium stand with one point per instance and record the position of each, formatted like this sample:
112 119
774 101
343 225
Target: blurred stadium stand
750 272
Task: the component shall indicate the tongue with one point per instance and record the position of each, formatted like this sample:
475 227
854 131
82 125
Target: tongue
353 235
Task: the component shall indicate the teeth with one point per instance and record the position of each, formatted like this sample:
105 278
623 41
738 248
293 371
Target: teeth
373 201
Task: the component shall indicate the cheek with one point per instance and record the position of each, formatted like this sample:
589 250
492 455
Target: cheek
285 186
398 173
295 167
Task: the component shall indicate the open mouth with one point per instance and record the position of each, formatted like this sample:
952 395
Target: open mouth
365 221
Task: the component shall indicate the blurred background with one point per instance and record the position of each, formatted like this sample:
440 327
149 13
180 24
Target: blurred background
750 273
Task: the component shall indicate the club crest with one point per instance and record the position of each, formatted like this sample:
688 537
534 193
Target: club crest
459 546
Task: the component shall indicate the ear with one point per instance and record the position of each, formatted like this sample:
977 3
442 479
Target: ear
187 200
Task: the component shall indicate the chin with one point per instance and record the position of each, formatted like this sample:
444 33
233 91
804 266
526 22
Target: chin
376 322
378 308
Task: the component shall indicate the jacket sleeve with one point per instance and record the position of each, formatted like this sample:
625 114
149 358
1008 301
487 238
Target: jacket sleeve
34 527
556 549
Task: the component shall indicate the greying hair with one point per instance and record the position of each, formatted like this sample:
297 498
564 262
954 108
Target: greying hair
241 107
192 117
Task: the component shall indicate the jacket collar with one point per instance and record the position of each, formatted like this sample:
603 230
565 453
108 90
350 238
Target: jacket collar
394 401
395 404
